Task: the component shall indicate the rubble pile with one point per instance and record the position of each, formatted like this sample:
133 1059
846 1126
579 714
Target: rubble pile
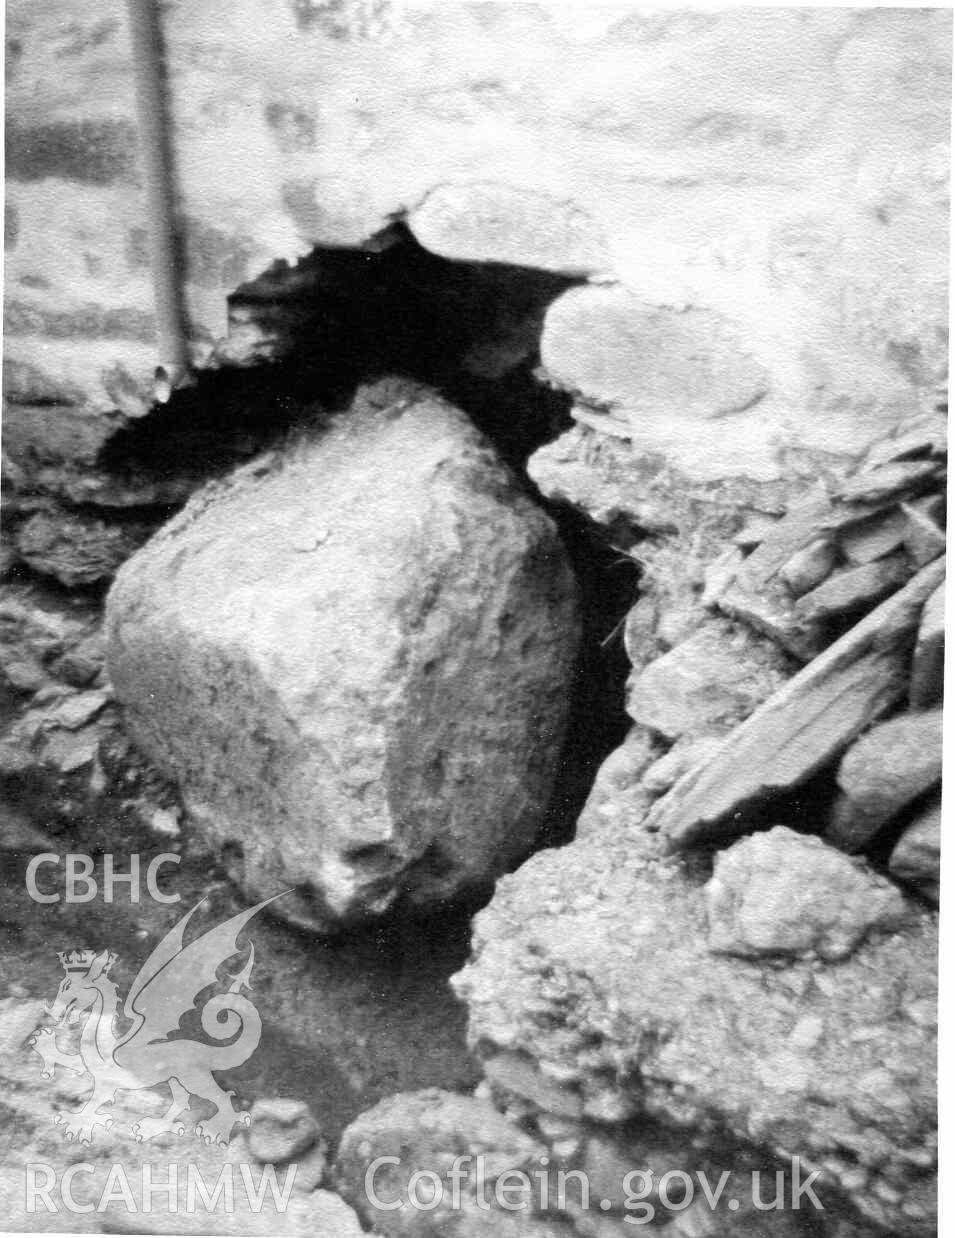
740 942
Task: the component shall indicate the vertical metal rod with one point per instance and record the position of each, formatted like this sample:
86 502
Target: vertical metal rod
173 366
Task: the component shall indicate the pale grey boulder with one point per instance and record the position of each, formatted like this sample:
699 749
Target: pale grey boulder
355 655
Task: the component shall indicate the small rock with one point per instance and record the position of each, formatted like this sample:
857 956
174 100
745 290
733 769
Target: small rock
684 754
24 674
428 1131
809 567
871 539
854 589
924 537
916 856
785 893
710 682
77 550
165 821
281 1130
618 797
50 691
311 1167
510 1072
769 609
928 661
77 710
884 770
80 665
888 480
71 751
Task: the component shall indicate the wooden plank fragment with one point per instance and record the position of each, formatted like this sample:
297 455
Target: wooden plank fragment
802 726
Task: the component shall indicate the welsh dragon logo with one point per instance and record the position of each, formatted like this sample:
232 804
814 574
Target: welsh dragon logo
148 1052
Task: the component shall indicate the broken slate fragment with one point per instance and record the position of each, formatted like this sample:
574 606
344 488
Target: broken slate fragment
871 539
915 857
77 710
783 893
920 437
924 536
769 608
809 567
877 484
887 768
928 661
854 589
684 754
802 726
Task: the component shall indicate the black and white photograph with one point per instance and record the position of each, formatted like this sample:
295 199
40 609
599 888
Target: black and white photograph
472 578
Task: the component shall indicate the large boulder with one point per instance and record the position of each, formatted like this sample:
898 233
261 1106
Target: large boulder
592 963
355 657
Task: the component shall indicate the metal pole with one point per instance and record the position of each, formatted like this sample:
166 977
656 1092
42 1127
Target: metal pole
173 364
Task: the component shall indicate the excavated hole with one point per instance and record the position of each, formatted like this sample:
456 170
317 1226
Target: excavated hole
304 338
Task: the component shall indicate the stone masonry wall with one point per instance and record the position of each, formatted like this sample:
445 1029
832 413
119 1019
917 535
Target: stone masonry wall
758 198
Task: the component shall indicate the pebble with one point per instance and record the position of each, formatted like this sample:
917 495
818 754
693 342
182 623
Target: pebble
77 710
281 1130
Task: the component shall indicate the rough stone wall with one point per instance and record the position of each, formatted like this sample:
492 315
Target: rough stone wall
759 197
